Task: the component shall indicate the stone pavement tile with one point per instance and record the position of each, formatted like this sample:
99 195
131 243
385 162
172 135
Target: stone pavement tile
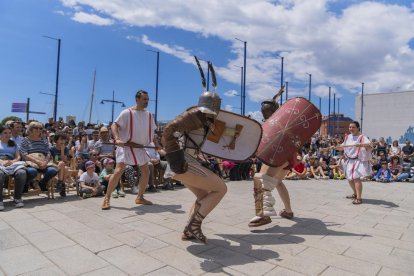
391 242
337 272
29 225
75 260
148 228
408 236
49 215
106 271
167 270
369 247
140 241
95 241
22 259
370 231
3 225
69 226
385 271
358 220
224 271
9 238
390 261
174 238
66 208
342 262
399 221
283 271
49 240
15 215
404 254
130 260
392 228
240 262
217 227
185 260
273 242
309 214
47 271
107 227
37 206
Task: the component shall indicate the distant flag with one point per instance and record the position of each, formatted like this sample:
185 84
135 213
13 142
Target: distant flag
19 107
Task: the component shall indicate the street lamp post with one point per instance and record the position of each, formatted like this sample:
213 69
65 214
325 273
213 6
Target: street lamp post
329 112
156 83
320 109
113 104
244 77
362 103
281 78
334 114
310 86
57 77
286 91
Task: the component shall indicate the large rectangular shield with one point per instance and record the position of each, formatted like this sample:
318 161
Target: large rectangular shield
234 137
285 132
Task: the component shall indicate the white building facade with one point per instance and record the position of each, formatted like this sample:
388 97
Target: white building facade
388 115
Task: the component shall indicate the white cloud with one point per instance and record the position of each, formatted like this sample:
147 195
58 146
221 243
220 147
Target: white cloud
366 41
228 107
83 17
256 115
60 12
231 93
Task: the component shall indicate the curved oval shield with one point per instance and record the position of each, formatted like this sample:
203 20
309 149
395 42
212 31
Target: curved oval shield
287 130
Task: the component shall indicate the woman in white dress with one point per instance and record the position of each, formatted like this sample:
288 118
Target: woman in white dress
356 163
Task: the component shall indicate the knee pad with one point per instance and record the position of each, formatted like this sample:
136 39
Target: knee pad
268 199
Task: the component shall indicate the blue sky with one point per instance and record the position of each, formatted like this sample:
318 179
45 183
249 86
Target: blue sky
341 43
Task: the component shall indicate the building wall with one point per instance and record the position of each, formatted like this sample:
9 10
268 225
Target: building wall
338 125
386 114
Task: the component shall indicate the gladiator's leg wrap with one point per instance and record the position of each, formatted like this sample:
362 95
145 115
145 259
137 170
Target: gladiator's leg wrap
259 219
269 184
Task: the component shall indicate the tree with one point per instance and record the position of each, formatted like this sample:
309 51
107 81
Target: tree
10 118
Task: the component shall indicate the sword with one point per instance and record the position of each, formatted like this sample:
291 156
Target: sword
131 145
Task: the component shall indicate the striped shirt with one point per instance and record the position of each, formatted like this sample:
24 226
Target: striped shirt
29 146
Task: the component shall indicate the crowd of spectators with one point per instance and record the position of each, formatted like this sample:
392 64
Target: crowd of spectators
61 151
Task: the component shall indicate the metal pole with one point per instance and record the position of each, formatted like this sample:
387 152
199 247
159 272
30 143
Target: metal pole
208 75
241 90
362 104
334 115
57 82
281 80
156 87
329 112
244 78
337 119
287 91
113 104
310 85
93 94
27 110
320 108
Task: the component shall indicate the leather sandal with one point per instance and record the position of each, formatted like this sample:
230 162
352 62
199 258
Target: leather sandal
105 204
286 214
353 196
187 236
262 221
194 224
357 201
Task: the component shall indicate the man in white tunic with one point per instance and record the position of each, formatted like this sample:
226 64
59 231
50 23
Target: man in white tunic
357 151
134 125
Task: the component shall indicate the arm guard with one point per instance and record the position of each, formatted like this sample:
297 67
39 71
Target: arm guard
177 161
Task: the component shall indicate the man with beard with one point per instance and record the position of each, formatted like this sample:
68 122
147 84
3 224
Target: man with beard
132 130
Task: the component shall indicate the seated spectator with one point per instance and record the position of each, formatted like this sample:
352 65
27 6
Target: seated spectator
384 174
408 148
406 164
89 182
245 168
298 171
60 156
10 165
81 145
336 169
325 156
104 145
17 131
314 170
381 147
106 174
37 155
93 156
326 170
395 149
93 142
157 166
395 167
227 166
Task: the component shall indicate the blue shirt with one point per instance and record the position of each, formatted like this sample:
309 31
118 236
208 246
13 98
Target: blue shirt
7 152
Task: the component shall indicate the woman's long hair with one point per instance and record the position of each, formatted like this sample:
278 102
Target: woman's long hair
10 143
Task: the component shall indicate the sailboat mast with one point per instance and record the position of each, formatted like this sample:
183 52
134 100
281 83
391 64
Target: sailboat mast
93 94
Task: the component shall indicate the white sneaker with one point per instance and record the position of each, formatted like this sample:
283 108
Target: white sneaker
1 206
18 203
121 193
114 194
135 190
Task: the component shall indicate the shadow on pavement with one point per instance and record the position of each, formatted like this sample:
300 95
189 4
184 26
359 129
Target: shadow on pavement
386 204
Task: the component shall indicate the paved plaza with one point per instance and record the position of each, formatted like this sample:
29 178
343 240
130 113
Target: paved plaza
328 236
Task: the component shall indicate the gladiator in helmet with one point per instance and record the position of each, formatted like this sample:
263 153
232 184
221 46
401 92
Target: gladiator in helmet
208 187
